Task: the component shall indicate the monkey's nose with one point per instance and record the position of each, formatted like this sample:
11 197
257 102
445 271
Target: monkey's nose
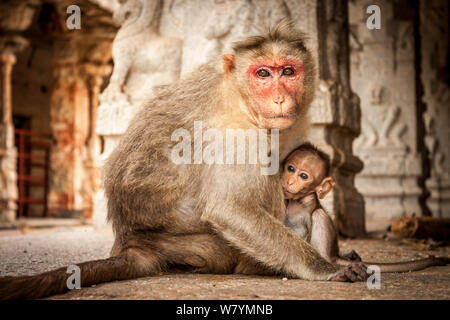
278 99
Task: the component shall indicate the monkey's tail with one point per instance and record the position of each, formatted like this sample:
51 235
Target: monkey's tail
55 282
408 266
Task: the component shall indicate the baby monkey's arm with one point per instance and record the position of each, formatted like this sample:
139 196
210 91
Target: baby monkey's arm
324 235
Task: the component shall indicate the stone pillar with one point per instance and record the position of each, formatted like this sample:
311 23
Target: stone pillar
69 114
8 59
91 184
8 152
15 16
383 75
434 31
335 116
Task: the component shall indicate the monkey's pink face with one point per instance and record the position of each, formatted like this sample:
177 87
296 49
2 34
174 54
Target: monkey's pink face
276 88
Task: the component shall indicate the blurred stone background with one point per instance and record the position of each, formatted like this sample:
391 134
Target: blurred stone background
382 109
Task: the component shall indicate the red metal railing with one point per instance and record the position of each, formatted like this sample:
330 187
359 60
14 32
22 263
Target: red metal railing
33 152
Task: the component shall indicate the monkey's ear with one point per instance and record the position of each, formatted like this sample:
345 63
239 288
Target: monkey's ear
324 187
228 63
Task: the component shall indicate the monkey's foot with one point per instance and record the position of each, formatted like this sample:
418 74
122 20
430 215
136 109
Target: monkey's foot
351 256
351 273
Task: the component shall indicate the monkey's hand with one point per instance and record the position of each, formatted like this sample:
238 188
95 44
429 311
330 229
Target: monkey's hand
351 273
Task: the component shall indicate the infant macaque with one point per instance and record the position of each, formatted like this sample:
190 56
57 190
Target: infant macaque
305 180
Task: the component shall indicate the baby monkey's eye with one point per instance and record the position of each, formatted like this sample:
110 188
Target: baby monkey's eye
288 72
304 176
263 73
291 169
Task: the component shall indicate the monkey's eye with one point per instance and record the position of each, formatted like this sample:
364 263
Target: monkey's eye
263 73
291 169
288 72
304 176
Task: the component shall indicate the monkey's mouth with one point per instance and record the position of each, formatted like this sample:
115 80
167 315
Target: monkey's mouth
283 116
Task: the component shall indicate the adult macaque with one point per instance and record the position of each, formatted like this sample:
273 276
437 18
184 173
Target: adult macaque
209 218
305 180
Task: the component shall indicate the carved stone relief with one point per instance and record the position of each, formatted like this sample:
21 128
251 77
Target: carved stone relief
143 59
383 75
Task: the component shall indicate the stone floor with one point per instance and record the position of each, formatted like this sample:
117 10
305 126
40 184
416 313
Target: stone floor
33 250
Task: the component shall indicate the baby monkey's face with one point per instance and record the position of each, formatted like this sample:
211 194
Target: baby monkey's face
303 174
